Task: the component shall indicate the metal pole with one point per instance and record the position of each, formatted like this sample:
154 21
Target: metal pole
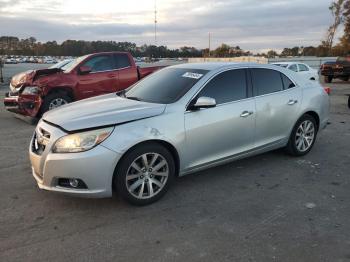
1 75
209 46
155 22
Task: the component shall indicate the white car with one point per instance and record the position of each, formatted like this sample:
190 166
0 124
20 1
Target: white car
179 120
302 69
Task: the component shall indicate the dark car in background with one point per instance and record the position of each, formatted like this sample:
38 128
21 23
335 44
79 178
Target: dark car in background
339 69
34 92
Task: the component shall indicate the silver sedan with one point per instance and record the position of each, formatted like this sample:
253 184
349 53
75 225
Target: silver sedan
180 120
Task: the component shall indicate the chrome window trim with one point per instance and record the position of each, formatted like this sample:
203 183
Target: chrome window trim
117 69
277 92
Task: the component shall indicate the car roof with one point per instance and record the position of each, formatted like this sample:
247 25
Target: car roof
213 66
287 63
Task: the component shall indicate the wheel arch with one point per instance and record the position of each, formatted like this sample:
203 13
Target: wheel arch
315 115
312 113
65 89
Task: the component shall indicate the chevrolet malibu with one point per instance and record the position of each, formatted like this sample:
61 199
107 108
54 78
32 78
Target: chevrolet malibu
180 120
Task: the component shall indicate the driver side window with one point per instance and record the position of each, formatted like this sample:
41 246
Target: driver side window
100 63
226 87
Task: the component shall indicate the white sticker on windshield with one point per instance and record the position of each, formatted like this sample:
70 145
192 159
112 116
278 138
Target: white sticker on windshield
192 75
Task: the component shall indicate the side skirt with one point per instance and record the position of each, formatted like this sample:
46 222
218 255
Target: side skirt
225 160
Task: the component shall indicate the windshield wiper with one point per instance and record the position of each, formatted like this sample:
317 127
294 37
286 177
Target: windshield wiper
133 98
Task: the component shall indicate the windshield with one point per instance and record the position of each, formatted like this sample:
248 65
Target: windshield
165 86
60 64
72 64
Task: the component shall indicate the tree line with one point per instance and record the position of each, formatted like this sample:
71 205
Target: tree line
340 10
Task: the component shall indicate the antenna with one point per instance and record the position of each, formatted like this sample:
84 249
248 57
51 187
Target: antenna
155 22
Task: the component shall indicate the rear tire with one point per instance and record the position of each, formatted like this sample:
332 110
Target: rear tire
303 136
328 79
144 174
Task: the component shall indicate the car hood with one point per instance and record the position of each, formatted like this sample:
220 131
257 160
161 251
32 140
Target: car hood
101 111
28 77
23 78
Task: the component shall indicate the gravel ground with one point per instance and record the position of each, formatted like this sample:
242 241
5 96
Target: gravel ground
271 207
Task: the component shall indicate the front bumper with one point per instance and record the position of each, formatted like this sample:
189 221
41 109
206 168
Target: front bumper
27 105
94 167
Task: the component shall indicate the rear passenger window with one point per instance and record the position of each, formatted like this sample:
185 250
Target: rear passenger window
287 83
122 60
266 81
293 67
227 87
303 68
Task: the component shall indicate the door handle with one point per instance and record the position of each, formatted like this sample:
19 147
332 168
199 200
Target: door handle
246 113
292 102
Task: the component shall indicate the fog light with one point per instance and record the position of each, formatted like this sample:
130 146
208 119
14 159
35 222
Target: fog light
74 182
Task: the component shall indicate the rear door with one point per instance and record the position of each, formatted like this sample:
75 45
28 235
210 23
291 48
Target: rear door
225 130
278 102
127 71
102 79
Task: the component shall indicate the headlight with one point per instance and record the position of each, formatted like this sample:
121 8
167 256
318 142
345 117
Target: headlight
31 90
80 142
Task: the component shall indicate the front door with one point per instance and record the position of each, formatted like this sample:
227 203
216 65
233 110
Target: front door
223 131
102 79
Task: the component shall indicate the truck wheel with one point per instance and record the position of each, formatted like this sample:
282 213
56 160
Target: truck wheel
328 79
55 100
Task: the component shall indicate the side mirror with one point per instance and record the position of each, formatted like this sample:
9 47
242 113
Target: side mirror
84 70
204 102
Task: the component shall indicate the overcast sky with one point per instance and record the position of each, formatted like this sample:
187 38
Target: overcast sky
252 24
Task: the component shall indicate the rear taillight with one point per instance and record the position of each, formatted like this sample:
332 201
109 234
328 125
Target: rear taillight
327 89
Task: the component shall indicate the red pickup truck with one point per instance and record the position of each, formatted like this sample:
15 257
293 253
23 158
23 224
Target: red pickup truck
34 92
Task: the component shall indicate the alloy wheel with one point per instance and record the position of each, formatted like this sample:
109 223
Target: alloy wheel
57 102
147 175
305 136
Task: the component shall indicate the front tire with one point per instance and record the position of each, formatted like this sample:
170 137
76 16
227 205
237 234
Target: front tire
144 174
303 136
55 100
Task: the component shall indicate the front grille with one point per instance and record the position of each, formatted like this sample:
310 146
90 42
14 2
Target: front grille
40 141
13 93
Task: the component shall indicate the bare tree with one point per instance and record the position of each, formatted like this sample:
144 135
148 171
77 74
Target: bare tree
337 9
